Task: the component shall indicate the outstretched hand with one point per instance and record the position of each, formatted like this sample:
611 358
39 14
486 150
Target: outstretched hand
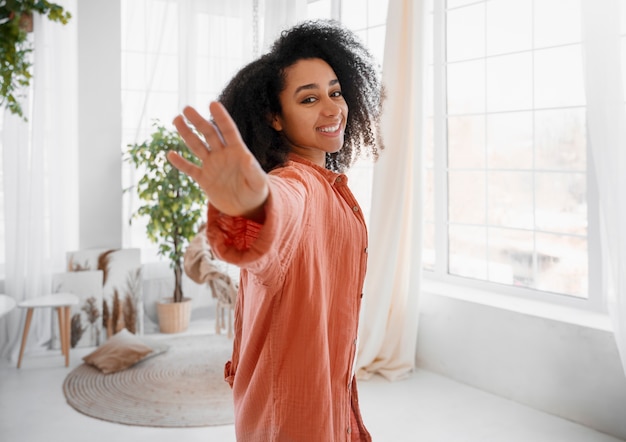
232 178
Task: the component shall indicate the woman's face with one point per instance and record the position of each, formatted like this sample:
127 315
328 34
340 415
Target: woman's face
314 112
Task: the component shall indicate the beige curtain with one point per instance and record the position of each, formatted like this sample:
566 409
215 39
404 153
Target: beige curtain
388 332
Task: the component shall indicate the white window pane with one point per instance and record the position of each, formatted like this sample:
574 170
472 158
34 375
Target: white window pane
557 22
467 251
511 257
623 16
560 139
203 35
466 142
509 82
457 3
509 26
561 201
562 264
132 105
559 77
376 42
165 75
466 194
231 47
466 87
201 100
354 14
212 74
161 27
163 106
203 72
428 246
510 140
318 9
362 34
133 70
133 33
466 32
377 12
429 196
510 199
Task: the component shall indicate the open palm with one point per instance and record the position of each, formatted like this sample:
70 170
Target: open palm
229 174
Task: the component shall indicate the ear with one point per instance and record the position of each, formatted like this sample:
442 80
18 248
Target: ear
275 122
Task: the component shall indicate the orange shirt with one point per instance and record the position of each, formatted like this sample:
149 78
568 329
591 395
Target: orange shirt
297 310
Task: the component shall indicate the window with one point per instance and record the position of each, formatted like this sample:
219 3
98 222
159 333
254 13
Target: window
506 161
174 53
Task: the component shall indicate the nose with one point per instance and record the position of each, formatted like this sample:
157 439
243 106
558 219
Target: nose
331 108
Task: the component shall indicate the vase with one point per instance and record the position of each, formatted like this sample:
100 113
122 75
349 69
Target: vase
26 22
173 316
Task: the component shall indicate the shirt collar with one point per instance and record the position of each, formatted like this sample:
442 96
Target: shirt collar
330 176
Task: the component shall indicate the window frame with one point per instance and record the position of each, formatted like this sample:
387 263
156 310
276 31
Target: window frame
594 302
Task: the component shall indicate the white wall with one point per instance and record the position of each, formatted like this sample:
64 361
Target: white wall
99 124
568 370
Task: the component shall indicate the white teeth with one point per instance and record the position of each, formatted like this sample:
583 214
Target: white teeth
329 129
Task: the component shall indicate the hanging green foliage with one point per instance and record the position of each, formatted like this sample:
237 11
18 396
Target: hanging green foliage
173 203
15 47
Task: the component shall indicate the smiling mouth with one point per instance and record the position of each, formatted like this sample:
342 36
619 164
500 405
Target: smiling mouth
329 129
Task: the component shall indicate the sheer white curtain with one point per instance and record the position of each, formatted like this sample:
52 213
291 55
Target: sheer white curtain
183 53
606 120
280 15
37 164
388 333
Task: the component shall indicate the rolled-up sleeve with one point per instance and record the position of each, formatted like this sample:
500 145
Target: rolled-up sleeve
263 249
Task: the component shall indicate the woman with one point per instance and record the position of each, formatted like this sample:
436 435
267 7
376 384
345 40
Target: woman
284 130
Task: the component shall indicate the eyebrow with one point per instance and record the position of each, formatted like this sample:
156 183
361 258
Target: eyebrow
314 86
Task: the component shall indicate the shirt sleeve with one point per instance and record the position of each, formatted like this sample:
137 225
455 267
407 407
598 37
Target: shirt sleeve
264 249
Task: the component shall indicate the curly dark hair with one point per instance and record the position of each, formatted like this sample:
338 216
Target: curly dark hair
252 96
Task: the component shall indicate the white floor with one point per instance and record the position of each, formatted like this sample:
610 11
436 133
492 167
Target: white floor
425 407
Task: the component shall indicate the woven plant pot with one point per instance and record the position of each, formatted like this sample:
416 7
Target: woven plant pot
174 316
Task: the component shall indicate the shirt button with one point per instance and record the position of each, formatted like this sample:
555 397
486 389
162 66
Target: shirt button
349 430
355 208
361 295
338 180
365 250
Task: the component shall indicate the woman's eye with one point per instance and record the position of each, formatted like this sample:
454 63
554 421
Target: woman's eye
309 100
336 94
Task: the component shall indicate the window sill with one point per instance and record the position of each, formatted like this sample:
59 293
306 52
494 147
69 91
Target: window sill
531 307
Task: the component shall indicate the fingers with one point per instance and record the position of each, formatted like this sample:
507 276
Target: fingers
222 133
191 139
184 166
225 124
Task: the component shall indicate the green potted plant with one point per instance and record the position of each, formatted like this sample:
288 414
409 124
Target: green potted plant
173 205
16 18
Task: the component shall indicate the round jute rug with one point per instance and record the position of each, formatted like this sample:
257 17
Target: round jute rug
183 387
